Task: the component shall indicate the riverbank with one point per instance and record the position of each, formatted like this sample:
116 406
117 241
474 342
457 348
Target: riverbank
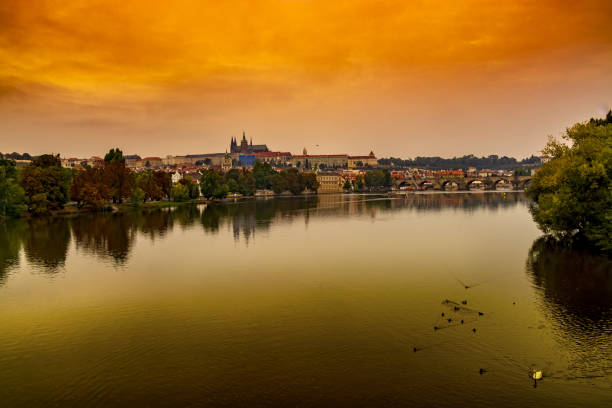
72 209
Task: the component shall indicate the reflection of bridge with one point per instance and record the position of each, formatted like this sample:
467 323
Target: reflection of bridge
464 183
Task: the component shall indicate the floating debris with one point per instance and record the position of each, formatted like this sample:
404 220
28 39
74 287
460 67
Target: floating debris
482 371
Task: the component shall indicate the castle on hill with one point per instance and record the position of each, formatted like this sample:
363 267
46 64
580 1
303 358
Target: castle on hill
246 147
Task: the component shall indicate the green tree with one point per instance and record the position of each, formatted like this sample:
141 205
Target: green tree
137 197
375 178
310 180
278 183
193 190
347 184
246 183
211 184
262 172
572 193
293 180
46 184
147 182
180 192
12 197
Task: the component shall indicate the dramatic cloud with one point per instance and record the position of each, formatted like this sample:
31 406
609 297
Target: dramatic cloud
402 77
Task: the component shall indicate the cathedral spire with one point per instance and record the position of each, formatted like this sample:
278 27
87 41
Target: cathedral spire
243 136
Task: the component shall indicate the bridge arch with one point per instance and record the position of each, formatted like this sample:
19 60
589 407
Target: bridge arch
449 185
476 184
502 184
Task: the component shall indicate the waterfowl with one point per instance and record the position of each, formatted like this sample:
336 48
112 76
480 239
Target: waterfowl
464 302
442 314
450 320
461 321
482 371
480 314
435 327
474 330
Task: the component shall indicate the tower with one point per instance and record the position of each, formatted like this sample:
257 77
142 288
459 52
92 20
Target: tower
244 145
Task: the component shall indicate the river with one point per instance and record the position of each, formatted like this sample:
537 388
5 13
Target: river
303 301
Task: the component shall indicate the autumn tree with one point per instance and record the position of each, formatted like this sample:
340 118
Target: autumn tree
46 184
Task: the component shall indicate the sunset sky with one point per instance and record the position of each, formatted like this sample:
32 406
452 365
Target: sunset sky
402 78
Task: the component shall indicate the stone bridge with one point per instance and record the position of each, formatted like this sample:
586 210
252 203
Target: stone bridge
464 183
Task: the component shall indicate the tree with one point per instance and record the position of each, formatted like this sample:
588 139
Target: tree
572 193
358 183
262 172
211 182
114 155
180 192
310 180
193 190
246 183
117 177
12 197
164 181
147 182
375 178
89 188
278 183
347 184
46 184
137 197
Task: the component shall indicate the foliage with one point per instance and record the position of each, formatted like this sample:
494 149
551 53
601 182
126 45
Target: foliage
180 192
277 183
262 172
377 178
117 177
192 188
17 156
437 163
46 184
137 197
12 197
89 188
572 193
147 181
210 184
347 184
114 155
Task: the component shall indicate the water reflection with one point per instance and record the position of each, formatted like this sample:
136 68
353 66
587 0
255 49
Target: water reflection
576 295
46 241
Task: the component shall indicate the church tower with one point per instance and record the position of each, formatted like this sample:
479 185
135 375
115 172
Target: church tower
244 145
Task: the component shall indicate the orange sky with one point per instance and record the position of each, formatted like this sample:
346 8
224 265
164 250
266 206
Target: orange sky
403 78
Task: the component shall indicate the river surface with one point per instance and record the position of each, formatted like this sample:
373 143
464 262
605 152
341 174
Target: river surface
303 301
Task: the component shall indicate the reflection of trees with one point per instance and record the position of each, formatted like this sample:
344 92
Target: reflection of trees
11 238
46 242
248 216
578 282
576 289
106 235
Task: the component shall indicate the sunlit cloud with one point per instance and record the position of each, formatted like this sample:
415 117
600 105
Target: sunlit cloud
99 66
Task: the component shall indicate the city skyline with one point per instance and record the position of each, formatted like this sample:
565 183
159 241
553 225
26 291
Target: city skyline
401 79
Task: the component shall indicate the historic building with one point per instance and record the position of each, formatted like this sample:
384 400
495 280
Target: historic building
362 161
330 182
246 147
227 162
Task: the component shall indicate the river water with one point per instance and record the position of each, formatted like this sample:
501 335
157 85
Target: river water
303 301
